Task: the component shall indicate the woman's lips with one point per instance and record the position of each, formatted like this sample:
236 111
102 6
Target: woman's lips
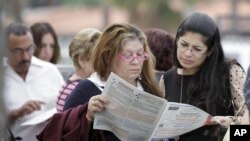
134 70
187 61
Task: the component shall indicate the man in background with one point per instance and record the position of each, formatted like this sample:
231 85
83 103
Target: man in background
30 85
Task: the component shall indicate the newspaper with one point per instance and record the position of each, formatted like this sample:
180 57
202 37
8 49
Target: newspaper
40 118
135 115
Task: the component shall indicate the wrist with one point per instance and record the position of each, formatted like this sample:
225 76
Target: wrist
233 118
13 115
88 117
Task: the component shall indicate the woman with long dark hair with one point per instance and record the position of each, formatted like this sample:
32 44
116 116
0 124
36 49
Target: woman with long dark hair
203 77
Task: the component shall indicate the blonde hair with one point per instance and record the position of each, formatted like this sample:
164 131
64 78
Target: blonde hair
110 45
82 44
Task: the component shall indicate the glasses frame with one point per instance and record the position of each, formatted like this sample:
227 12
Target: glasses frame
20 52
184 49
130 58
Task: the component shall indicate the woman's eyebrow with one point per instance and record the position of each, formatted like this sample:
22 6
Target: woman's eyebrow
141 49
183 41
196 46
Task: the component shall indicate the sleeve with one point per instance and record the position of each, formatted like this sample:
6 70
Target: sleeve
237 80
70 125
76 97
54 81
81 94
247 88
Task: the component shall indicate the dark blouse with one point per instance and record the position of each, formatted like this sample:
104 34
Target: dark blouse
173 82
176 91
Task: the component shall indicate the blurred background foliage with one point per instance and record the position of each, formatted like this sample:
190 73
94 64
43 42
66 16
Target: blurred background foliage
145 13
151 13
82 2
69 16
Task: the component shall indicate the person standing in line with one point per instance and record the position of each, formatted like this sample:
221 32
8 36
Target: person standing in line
30 84
45 38
121 49
161 44
203 77
80 51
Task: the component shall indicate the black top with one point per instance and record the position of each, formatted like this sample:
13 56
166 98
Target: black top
172 82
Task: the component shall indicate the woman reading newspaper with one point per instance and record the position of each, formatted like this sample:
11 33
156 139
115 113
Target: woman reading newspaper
123 50
204 78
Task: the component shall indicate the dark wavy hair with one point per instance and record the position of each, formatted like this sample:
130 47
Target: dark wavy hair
161 44
208 88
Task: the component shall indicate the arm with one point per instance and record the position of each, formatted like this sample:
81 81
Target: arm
27 108
247 88
237 80
81 94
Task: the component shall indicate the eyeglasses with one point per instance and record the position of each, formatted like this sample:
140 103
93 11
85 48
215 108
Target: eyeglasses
20 52
193 50
130 57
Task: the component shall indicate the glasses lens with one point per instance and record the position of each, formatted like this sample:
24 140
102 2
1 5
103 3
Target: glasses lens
129 58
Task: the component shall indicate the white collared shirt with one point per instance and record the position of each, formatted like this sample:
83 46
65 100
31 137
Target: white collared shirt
43 82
